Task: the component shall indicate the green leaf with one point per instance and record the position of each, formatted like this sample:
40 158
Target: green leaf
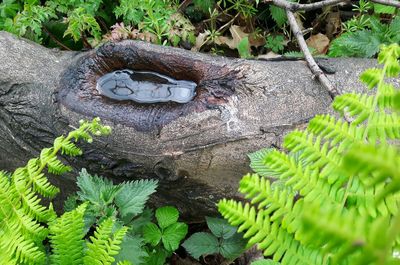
152 234
364 43
397 101
233 247
265 262
204 5
157 256
220 227
278 15
257 162
173 235
384 9
97 190
140 221
166 216
244 48
133 196
371 77
201 244
131 250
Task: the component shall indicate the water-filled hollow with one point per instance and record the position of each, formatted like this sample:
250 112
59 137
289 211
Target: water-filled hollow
181 83
145 87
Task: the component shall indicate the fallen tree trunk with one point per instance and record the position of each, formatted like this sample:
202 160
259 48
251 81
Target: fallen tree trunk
197 150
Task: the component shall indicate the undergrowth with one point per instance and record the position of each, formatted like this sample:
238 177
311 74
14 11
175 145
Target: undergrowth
103 223
333 196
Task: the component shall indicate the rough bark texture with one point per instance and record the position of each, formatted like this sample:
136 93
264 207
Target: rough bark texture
197 150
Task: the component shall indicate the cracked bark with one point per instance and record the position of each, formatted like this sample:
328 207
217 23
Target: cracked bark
198 151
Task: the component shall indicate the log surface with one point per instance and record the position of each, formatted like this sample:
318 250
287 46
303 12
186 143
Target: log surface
198 151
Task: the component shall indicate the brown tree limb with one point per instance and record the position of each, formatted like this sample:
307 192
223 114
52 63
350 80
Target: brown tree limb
305 7
308 57
55 39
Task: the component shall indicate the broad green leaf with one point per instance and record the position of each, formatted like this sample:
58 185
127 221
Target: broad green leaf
140 221
233 247
220 227
131 250
156 257
278 15
201 244
173 235
166 216
92 187
152 234
133 196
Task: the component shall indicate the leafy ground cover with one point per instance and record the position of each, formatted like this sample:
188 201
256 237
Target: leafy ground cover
229 27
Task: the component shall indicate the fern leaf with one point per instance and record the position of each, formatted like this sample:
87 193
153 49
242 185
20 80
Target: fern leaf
383 126
67 147
318 156
270 237
380 163
338 131
105 244
40 183
360 105
67 237
125 262
257 163
31 203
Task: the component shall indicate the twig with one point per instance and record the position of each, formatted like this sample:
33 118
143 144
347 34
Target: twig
308 57
55 39
221 29
388 2
306 7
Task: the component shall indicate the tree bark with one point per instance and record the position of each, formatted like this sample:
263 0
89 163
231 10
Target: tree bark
198 150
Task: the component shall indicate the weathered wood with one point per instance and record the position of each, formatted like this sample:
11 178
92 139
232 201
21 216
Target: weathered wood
197 150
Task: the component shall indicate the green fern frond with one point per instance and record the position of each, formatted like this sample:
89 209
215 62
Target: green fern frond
375 165
258 165
39 182
67 237
68 148
302 178
105 244
383 126
320 156
269 236
335 195
360 105
276 202
124 262
338 131
22 216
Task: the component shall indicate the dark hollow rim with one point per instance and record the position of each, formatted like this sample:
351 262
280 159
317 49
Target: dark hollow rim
216 82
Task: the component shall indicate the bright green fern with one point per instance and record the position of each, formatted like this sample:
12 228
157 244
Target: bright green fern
24 219
333 197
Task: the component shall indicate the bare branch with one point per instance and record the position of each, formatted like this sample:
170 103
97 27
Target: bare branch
307 55
306 7
388 2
